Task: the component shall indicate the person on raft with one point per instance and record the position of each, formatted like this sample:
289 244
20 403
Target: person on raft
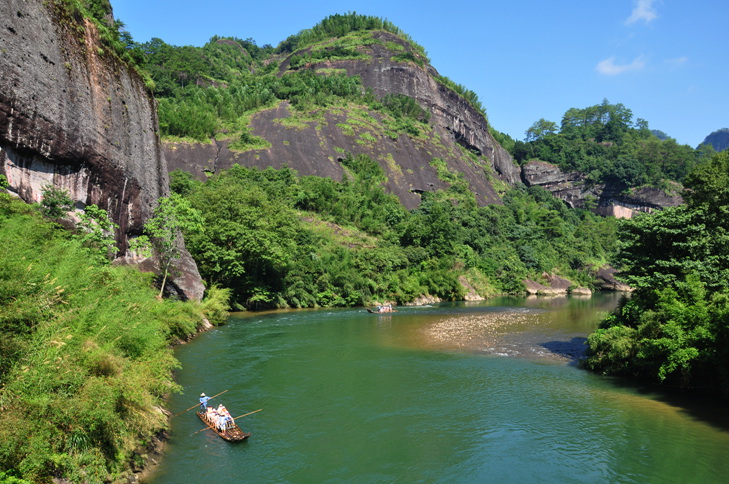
203 402
384 309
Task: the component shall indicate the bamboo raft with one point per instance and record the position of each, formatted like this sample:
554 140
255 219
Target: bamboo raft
232 433
375 311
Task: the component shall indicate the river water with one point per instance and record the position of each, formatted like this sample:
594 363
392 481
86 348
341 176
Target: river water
462 392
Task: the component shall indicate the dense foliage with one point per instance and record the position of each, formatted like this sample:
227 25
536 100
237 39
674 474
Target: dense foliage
200 108
277 239
675 326
339 25
84 352
221 60
603 142
212 91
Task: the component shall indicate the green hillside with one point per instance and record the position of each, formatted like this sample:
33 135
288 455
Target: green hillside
280 240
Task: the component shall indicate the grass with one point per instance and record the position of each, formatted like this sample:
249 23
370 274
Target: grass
86 356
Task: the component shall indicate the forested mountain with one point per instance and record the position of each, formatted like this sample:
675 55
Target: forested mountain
341 117
719 139
358 84
354 84
355 91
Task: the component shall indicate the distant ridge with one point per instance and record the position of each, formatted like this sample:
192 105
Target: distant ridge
719 139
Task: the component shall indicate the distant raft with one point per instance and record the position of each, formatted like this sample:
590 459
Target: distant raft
380 311
230 431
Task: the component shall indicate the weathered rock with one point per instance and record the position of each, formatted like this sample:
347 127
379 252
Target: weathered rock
607 199
555 286
605 279
423 300
316 147
569 187
76 117
471 293
453 115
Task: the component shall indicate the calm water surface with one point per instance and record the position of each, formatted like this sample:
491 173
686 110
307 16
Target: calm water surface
466 392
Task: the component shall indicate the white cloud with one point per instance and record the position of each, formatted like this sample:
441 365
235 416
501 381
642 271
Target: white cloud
608 67
644 10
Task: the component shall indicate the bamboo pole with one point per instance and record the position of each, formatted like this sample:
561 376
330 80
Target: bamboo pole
246 414
175 415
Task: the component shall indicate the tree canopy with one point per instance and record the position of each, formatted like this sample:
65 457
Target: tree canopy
603 142
278 239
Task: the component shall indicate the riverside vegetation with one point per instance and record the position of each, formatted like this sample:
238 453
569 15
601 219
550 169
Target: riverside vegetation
675 326
277 239
85 356
81 387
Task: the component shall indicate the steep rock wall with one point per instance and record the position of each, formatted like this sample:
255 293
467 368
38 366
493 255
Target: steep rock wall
453 115
77 118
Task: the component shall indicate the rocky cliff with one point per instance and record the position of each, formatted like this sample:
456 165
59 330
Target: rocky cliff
74 116
605 199
459 133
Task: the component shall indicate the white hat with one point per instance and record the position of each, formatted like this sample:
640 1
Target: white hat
202 394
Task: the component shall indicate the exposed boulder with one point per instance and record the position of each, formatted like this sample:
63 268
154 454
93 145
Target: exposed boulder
554 286
423 300
605 279
74 116
471 292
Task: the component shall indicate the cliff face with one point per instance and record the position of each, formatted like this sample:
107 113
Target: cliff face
75 117
451 114
609 200
314 147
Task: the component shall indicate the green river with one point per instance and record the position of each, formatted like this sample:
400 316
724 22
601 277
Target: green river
461 392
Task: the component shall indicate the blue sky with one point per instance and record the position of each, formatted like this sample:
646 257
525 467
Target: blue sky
666 60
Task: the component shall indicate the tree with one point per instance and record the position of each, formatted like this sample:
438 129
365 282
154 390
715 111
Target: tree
173 216
540 129
55 202
675 325
97 233
249 239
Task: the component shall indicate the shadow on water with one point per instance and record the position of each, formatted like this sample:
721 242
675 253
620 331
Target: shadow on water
572 350
705 406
